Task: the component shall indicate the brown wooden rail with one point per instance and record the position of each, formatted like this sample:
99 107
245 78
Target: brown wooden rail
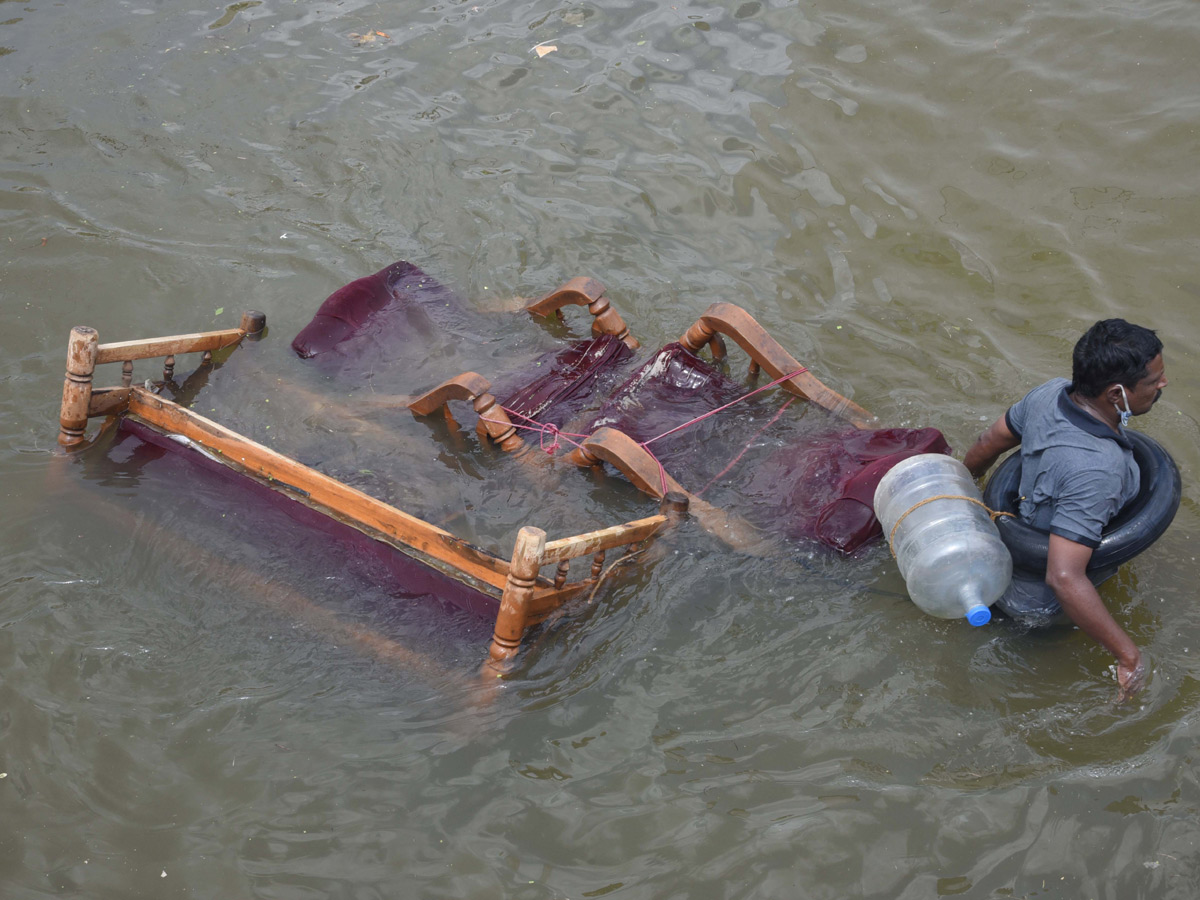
320 491
85 352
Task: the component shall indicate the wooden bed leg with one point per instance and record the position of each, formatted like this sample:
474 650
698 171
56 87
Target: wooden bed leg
253 324
607 320
702 333
518 593
495 425
77 387
674 506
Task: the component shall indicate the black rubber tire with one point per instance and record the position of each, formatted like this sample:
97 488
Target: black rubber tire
1138 525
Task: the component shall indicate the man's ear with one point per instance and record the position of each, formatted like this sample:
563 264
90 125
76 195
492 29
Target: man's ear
1112 394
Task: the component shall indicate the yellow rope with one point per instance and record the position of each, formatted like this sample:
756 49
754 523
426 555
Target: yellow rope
994 513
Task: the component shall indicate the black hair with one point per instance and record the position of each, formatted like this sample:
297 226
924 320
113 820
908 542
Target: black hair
1112 351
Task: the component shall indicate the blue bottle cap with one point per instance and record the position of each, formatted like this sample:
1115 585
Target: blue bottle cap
979 615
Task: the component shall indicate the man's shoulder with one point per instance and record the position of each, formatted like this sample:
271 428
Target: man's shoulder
1048 392
1036 410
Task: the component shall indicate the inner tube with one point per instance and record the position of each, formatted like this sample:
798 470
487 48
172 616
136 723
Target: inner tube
1139 524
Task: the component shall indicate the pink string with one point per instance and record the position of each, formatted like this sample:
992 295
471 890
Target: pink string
555 433
749 444
713 412
662 472
542 429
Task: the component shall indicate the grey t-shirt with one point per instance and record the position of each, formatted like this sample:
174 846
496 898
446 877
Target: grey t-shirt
1076 474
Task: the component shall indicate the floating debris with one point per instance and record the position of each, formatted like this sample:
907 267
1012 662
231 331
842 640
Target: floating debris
370 37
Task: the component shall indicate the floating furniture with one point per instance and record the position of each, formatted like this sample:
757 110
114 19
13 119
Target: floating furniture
614 446
402 304
515 588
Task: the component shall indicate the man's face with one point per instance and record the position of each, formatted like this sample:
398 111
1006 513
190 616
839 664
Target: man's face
1146 392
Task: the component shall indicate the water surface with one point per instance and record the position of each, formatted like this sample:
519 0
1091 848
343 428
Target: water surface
926 204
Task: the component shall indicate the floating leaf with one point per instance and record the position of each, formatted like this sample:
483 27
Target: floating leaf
218 310
542 49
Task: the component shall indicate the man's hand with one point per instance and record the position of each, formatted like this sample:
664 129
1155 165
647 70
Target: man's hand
1130 681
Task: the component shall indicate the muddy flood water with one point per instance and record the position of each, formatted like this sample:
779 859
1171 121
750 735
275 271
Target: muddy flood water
926 203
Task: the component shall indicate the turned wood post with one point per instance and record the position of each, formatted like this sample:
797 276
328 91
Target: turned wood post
518 593
606 320
700 334
560 576
253 324
582 457
77 387
674 506
495 425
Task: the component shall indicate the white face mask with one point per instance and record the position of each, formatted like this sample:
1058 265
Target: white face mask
1126 412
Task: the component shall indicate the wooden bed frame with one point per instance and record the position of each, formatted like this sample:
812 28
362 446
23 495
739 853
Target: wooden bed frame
525 597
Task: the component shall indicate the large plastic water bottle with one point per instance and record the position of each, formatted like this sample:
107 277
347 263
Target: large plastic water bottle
948 550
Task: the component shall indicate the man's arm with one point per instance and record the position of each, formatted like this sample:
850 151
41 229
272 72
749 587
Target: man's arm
1066 575
984 452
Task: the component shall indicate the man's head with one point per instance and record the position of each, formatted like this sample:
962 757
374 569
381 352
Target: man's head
1114 354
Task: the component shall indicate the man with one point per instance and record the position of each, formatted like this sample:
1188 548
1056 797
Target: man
1077 471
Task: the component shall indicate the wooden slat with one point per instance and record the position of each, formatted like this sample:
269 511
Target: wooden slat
167 346
580 291
108 401
316 489
603 539
547 600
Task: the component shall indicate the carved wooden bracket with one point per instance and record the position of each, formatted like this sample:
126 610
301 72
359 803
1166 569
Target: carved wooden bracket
494 424
590 293
733 321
